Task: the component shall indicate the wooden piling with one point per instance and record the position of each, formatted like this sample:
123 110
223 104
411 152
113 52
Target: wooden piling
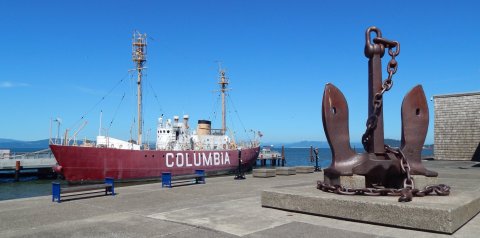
17 170
311 153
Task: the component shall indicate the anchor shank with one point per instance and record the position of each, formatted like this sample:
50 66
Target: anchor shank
376 144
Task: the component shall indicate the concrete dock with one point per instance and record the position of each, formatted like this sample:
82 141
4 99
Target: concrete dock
223 207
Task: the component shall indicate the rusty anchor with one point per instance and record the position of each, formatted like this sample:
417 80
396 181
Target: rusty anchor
387 170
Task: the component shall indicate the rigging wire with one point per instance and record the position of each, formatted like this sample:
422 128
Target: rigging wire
102 99
116 111
238 116
214 109
231 121
156 98
150 89
133 88
144 78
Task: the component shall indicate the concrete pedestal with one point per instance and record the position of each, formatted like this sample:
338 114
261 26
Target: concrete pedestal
355 181
443 214
304 169
264 173
421 181
286 171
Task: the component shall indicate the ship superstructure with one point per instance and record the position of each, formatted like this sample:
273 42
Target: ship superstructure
177 135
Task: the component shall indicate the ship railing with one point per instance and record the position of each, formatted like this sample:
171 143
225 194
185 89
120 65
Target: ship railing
247 144
217 132
74 142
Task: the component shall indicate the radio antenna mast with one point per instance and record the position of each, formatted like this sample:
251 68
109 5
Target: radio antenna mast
139 57
223 89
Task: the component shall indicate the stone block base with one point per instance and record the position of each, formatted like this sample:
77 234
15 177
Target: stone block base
443 214
421 181
355 181
264 173
304 169
286 171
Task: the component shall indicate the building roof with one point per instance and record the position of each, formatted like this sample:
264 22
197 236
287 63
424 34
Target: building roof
456 95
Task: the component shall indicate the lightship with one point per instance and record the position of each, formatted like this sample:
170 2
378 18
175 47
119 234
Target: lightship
178 149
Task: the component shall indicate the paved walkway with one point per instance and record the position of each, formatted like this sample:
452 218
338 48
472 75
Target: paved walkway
221 208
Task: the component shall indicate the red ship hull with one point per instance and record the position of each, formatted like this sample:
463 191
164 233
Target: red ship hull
78 164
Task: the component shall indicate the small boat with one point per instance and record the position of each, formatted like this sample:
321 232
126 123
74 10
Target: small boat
267 152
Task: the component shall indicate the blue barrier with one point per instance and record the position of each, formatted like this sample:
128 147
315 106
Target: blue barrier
168 179
57 189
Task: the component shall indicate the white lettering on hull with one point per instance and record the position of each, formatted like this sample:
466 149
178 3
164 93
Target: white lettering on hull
207 161
179 160
169 156
199 159
188 164
195 161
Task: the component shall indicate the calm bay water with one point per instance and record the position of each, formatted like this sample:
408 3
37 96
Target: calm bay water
301 156
32 186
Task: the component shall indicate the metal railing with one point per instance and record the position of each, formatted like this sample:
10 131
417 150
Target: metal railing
41 154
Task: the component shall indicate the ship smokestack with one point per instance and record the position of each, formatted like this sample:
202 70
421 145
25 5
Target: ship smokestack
204 127
185 121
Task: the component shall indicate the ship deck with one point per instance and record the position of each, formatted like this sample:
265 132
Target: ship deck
223 207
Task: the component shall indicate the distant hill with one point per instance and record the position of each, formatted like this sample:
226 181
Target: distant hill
304 144
392 142
30 146
324 144
17 144
6 140
300 144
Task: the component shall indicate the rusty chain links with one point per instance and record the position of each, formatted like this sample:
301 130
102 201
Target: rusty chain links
408 183
406 193
440 190
386 86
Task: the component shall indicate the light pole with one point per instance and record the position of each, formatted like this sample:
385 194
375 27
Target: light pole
59 122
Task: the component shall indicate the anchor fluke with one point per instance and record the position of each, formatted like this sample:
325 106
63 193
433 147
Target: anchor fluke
414 130
335 125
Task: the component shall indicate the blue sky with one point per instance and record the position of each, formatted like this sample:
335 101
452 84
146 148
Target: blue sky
59 58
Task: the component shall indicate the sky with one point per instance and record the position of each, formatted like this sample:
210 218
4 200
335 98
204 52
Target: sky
71 60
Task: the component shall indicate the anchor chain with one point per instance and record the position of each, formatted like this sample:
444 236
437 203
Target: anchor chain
439 189
406 193
387 84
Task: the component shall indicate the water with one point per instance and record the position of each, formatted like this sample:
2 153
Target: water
301 156
27 187
32 186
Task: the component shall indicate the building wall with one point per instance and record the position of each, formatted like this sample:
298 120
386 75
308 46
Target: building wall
457 126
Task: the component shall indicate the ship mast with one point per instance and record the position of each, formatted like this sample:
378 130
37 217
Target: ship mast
223 88
139 57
